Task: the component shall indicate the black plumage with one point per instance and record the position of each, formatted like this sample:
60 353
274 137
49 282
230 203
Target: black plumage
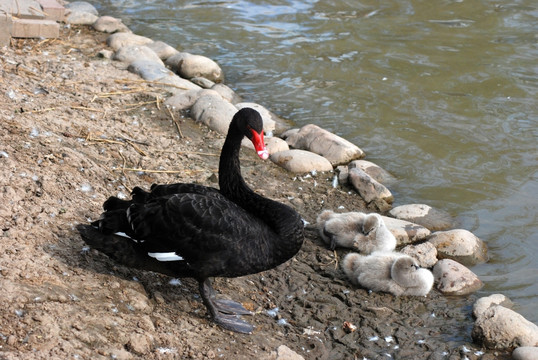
228 232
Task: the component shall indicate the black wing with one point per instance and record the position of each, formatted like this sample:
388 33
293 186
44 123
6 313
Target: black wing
210 232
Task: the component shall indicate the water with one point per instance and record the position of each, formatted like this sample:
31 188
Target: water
443 95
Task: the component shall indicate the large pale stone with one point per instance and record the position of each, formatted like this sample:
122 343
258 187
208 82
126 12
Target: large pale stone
82 6
132 53
525 353
206 84
110 25
375 171
453 278
320 141
174 84
228 94
183 100
424 215
286 134
301 161
80 18
275 144
81 13
370 190
425 254
149 70
211 109
343 174
121 39
460 245
405 231
485 303
162 49
267 116
189 66
502 328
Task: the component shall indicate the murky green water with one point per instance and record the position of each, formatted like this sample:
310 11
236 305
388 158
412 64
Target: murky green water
442 94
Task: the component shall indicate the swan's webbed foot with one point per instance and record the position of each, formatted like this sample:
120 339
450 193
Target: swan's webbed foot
225 313
233 323
230 307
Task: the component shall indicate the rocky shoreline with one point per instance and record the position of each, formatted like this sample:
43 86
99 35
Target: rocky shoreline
301 315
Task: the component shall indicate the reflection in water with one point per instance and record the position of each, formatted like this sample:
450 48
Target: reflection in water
442 96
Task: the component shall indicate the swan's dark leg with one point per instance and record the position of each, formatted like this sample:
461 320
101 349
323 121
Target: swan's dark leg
227 306
332 246
221 311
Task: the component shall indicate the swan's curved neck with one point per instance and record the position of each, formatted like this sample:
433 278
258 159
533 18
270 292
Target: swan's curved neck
231 181
282 220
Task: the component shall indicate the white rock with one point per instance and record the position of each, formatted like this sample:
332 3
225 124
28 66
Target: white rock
267 116
211 109
301 161
189 66
424 215
525 353
122 39
460 245
80 18
132 53
183 100
285 353
485 303
110 25
205 84
162 49
405 231
453 278
286 134
275 144
343 174
175 84
149 70
81 6
375 171
370 190
228 94
425 254
320 141
502 328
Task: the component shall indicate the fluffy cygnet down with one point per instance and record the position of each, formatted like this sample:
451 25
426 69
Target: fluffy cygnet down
362 232
391 272
377 237
340 229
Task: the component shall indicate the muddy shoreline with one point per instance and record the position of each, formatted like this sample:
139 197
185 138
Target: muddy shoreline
75 130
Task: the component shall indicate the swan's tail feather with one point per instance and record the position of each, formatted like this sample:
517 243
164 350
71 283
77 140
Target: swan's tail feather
129 253
138 195
114 203
119 248
113 221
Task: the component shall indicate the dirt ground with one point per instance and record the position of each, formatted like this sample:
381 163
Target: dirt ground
75 129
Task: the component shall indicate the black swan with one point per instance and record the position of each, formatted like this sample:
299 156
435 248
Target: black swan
189 230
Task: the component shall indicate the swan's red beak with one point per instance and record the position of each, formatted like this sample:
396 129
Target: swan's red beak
259 144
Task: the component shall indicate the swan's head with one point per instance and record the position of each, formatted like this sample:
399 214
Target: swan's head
404 270
250 123
371 222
